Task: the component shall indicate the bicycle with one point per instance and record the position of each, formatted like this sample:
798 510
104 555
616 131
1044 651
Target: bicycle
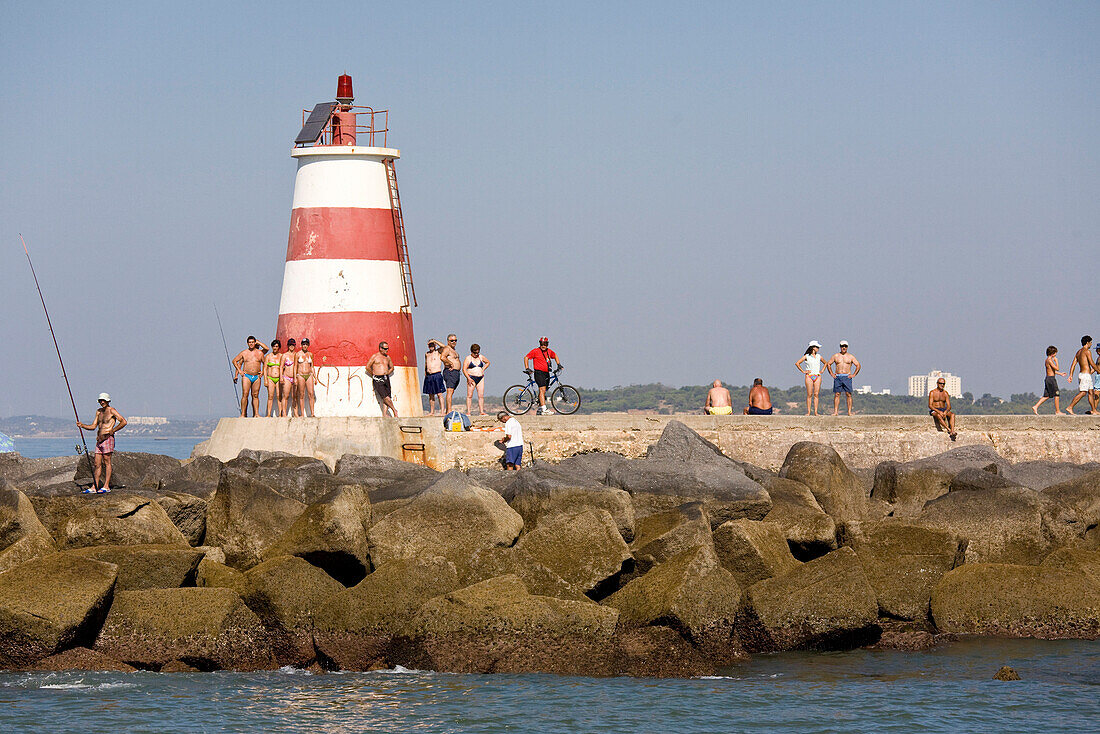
518 399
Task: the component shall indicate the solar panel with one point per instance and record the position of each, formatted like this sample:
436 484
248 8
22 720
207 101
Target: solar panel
315 123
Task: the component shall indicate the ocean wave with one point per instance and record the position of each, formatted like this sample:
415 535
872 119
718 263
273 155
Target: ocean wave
88 686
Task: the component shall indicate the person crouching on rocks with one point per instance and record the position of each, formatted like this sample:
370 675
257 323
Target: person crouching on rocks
107 423
512 441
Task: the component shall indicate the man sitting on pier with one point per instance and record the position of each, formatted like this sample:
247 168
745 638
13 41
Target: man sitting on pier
939 407
760 400
718 400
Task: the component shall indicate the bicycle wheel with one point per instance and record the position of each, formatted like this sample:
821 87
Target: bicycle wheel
518 399
566 399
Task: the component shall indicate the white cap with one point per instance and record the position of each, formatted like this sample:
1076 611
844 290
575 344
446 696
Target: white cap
814 343
843 342
104 396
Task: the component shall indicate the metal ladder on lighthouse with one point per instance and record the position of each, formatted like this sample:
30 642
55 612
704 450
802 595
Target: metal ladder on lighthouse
399 235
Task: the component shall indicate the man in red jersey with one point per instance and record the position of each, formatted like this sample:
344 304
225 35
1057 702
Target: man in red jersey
540 359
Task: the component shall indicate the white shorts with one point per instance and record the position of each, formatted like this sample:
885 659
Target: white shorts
1085 383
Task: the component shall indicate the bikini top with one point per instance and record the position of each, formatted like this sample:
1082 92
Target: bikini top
275 363
302 358
477 365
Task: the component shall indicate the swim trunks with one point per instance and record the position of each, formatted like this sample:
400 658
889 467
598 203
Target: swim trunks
1050 387
759 411
381 386
106 446
720 410
1085 382
513 455
252 378
842 383
433 383
450 378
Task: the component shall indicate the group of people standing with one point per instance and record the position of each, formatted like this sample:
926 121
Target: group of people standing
1088 378
289 377
443 368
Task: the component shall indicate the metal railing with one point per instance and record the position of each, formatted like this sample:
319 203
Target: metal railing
371 126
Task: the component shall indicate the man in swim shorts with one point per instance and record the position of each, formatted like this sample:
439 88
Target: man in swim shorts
843 366
513 441
249 364
939 407
107 423
760 400
451 370
433 376
1050 384
380 367
718 400
1083 360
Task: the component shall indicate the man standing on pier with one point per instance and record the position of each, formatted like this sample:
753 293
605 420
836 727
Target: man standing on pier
380 367
540 359
107 423
843 366
1083 360
249 364
451 369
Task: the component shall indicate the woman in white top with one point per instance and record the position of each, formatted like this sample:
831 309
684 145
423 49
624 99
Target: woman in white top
474 367
811 365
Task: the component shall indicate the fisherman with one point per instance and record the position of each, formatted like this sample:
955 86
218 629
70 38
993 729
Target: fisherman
380 367
718 400
760 400
107 423
939 407
512 441
250 364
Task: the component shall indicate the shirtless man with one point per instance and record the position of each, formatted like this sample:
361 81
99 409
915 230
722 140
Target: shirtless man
250 365
760 400
1050 385
1083 360
843 366
433 376
718 400
303 379
380 367
107 423
452 369
939 407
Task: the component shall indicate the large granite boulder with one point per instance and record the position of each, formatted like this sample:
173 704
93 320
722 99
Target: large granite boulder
198 477
497 626
209 629
80 658
667 534
584 548
187 512
30 475
495 479
77 521
286 593
1039 475
452 518
213 574
810 532
544 490
295 477
909 485
1081 495
22 535
1084 562
132 469
1005 525
1009 600
52 603
593 466
245 516
391 483
826 603
489 563
332 535
691 593
147 566
903 562
353 630
981 479
839 492
752 551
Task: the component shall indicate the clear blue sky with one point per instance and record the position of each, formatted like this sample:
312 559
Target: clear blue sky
672 192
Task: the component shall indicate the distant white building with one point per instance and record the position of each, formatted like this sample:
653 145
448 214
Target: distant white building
921 385
147 420
863 390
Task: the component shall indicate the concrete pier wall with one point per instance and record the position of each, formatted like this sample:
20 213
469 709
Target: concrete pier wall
863 441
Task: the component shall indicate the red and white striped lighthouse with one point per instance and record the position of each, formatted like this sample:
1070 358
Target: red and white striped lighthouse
347 284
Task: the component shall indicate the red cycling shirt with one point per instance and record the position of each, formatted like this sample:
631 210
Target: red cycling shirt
538 361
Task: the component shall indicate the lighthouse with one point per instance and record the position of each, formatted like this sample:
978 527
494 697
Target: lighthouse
347 284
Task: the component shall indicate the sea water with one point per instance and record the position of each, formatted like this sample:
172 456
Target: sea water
40 448
948 689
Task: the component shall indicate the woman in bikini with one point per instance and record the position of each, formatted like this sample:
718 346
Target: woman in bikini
474 367
812 371
272 366
286 383
303 381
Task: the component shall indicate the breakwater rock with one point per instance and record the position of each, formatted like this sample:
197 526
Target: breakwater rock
675 564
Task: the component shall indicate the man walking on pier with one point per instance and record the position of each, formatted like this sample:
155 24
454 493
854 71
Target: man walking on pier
843 367
1083 360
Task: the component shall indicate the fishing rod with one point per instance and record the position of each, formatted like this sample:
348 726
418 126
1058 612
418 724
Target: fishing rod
225 344
76 414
